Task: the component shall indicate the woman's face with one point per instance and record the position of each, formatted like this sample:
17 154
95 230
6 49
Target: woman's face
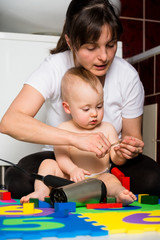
97 56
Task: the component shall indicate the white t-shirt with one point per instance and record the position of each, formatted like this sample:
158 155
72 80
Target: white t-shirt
123 90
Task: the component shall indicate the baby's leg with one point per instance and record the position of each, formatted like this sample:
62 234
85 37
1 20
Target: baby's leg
115 189
47 167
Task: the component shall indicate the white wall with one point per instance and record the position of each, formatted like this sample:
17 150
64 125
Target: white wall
150 131
20 54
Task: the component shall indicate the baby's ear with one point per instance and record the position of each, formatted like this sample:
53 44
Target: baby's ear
66 107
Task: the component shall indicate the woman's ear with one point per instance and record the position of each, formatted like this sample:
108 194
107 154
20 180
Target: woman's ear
68 41
66 107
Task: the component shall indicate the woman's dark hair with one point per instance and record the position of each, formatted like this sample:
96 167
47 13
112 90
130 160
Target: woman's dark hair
84 20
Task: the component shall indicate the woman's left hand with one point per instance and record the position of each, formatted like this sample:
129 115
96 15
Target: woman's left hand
130 147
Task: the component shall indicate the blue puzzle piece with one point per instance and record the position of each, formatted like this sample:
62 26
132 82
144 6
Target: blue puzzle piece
61 213
70 206
35 227
43 204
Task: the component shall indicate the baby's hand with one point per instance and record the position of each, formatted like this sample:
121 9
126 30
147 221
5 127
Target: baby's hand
78 174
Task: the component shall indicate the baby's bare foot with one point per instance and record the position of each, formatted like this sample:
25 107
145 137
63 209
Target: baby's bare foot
126 197
37 194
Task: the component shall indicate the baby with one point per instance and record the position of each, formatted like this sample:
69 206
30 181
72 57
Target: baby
82 95
82 98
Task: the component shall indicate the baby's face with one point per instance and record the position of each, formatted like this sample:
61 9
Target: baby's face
86 105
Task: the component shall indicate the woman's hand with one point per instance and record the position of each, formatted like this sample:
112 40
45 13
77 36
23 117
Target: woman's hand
78 174
130 147
93 142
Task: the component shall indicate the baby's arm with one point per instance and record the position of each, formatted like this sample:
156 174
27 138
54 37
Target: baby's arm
128 148
67 166
116 155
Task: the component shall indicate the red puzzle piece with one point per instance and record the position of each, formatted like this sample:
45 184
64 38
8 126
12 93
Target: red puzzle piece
5 196
116 172
103 205
126 182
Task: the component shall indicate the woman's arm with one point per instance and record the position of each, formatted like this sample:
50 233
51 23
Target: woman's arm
132 127
132 143
19 122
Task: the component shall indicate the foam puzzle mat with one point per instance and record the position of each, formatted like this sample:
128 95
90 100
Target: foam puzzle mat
135 218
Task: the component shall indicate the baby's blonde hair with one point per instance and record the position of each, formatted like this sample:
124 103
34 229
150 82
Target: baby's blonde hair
84 75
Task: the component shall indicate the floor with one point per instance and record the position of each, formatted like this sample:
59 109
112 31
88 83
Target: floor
144 236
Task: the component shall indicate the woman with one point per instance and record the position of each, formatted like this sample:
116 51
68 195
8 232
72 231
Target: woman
89 38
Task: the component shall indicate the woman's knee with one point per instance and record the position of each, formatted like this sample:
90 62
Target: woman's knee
32 162
153 183
18 183
147 179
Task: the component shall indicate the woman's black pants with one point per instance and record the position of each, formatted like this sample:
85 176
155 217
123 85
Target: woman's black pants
144 174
